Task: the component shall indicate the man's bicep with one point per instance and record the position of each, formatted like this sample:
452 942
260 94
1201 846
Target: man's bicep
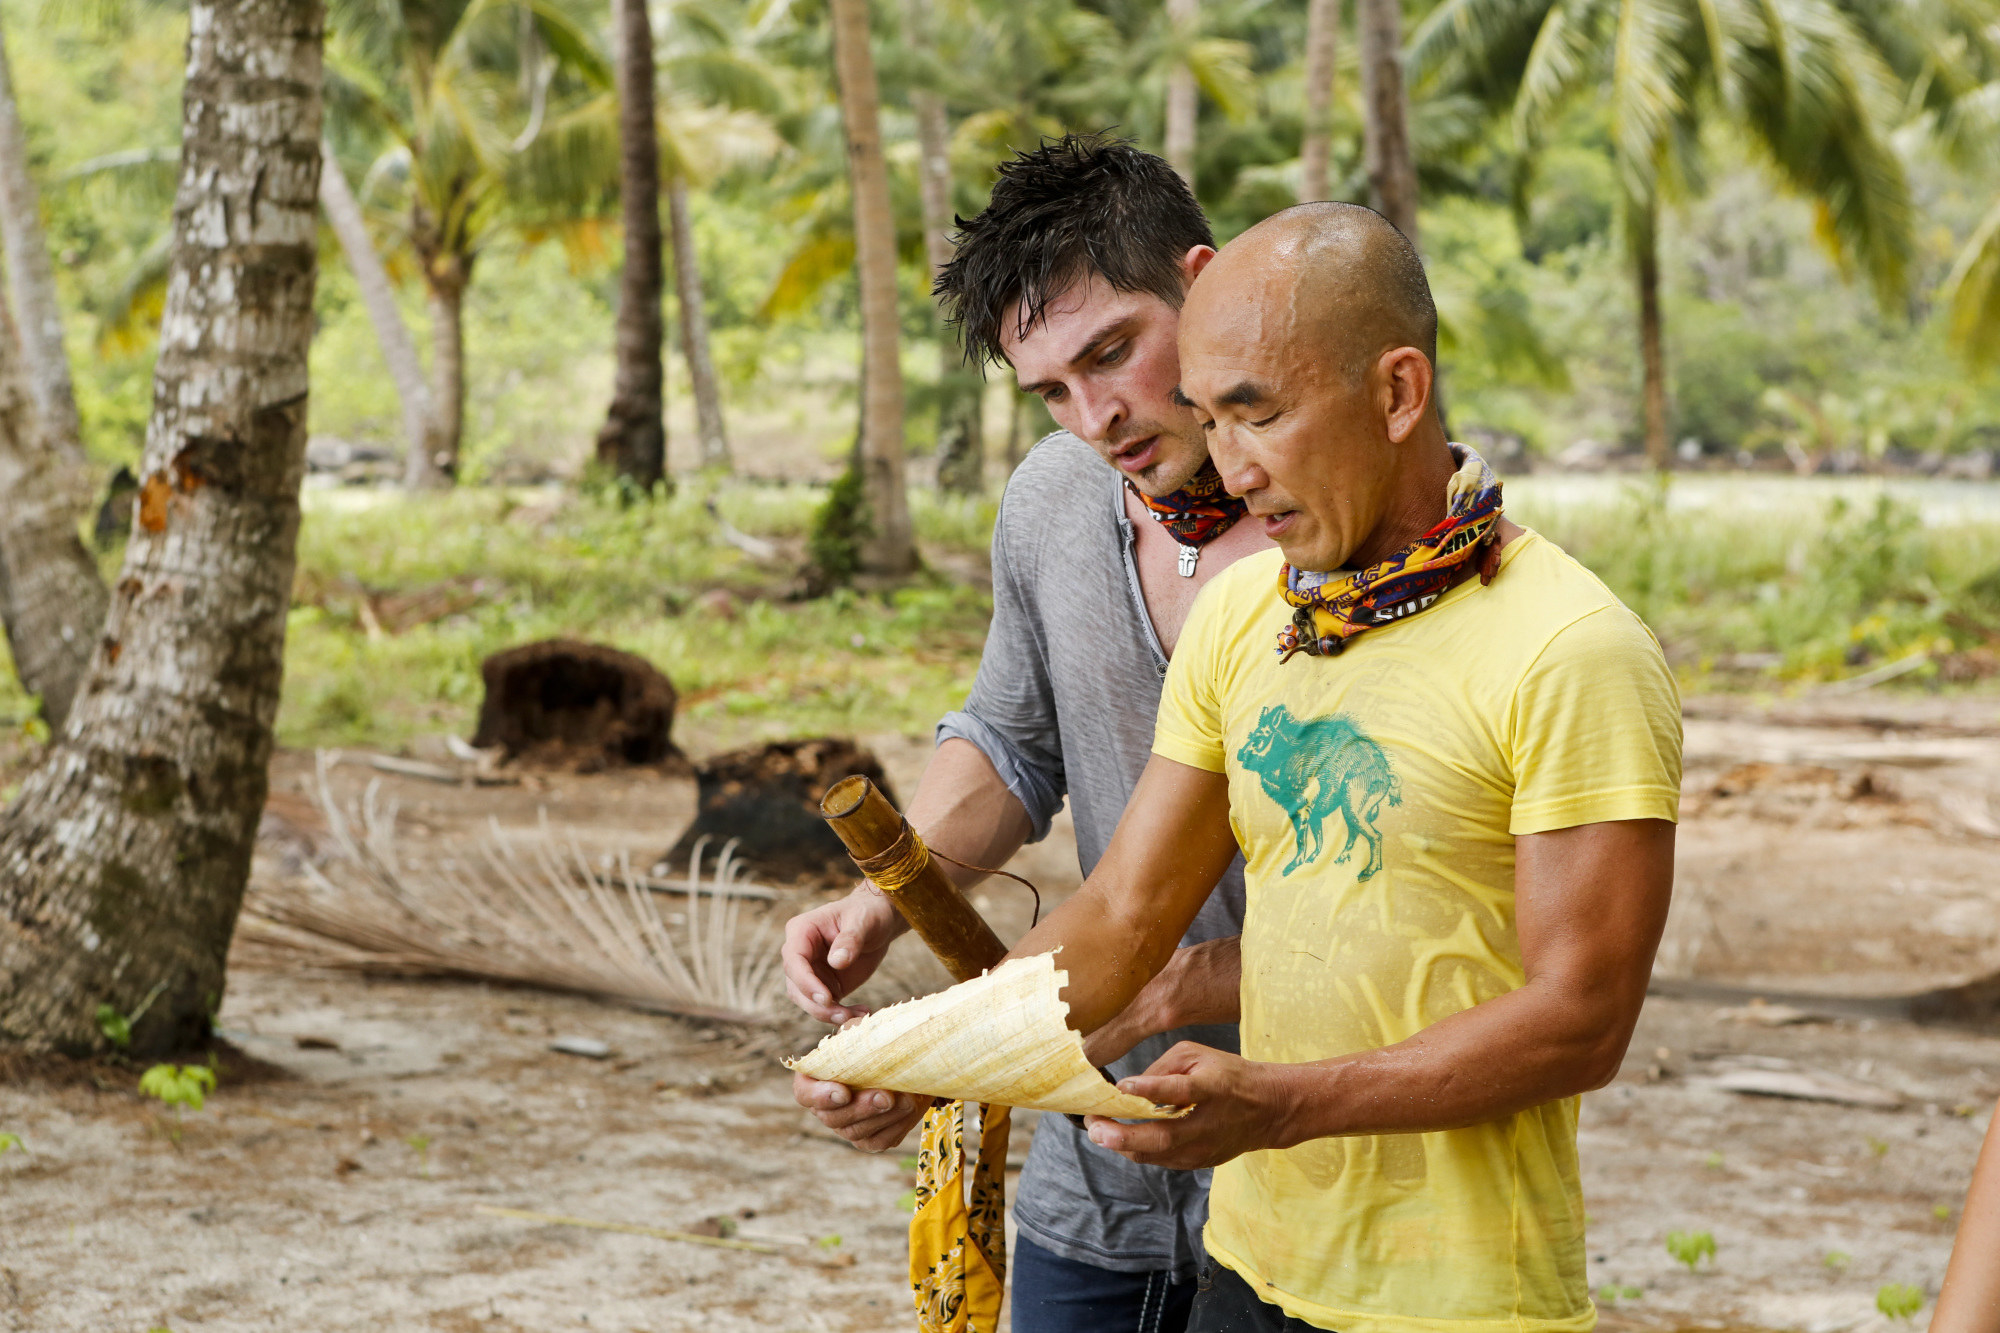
1590 903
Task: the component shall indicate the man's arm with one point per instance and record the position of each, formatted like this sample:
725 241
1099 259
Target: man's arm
1590 904
963 809
1201 983
1970 1299
1120 929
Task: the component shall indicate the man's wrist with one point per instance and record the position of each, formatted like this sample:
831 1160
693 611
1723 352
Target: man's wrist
1306 1100
882 906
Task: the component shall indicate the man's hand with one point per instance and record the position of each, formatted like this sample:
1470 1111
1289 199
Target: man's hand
832 949
1239 1106
870 1119
1201 983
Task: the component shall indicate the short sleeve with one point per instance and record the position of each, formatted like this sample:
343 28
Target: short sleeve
1596 732
1189 728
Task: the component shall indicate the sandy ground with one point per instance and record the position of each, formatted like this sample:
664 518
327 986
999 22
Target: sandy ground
337 1179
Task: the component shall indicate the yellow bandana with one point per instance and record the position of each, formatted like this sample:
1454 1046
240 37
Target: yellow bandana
958 1251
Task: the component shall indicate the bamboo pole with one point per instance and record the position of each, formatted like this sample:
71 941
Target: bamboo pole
888 851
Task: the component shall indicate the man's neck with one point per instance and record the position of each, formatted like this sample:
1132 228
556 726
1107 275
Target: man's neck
1416 505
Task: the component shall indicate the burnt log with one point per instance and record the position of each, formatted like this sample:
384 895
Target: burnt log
583 707
767 799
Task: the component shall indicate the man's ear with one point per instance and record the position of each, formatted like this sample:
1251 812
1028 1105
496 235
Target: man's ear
1193 262
1407 382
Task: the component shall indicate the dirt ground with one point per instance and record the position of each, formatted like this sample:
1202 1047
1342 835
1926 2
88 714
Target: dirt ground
339 1177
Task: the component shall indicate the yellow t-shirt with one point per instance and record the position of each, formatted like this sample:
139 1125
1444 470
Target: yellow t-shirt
1377 796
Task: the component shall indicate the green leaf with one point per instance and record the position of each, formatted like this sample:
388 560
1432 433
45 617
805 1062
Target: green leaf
114 1026
1899 1300
1691 1247
8 1141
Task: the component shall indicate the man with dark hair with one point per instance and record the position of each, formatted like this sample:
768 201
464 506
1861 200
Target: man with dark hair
1073 276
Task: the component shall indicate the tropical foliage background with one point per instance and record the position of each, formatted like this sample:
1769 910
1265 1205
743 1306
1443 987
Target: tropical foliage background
1709 234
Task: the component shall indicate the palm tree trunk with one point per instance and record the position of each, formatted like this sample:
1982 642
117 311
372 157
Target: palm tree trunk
961 449
34 280
891 546
1645 240
694 332
1392 168
51 599
1182 95
633 440
122 862
378 296
446 301
1316 146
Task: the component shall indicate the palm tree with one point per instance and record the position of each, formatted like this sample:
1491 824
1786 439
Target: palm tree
693 301
633 441
1801 78
1316 143
51 599
123 859
1182 95
1392 167
482 131
891 546
34 281
960 447
378 297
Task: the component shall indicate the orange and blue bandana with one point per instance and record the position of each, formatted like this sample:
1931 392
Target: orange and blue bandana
1331 608
1198 512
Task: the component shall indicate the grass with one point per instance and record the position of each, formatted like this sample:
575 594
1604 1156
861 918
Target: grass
1820 588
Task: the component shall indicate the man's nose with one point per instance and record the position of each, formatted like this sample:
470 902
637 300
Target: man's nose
1098 415
1236 465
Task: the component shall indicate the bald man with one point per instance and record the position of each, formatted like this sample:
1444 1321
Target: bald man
1452 761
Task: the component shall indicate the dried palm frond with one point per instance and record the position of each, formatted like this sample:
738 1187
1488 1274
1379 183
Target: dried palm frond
528 908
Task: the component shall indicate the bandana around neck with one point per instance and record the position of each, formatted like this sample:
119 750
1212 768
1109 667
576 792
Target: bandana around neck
1331 608
1196 514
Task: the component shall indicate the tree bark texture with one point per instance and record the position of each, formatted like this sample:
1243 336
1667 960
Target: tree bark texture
123 860
633 440
694 332
445 298
961 389
34 279
392 335
52 601
1316 146
1183 98
891 549
1643 226
1392 166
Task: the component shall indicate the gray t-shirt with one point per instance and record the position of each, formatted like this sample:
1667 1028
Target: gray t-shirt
1064 704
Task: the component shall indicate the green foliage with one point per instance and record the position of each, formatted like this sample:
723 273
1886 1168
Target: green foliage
829 1242
117 1029
1691 1247
1899 1300
652 578
183 1087
178 1085
1612 1292
1837 1260
420 1144
9 1142
839 527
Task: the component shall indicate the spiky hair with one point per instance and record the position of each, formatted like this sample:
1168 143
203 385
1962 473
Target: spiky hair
1084 205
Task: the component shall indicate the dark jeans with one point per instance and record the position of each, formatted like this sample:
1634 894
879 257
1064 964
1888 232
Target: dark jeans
1228 1304
1057 1295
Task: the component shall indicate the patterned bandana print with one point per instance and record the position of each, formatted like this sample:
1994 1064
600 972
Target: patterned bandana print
1332 608
1196 514
958 1249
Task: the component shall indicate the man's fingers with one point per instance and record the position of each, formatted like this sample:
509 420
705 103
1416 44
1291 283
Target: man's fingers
1161 1089
846 947
818 1095
1150 1136
811 983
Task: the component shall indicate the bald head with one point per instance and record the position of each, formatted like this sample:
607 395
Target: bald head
1308 350
1336 277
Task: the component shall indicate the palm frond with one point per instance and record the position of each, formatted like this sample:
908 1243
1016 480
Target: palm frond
1972 293
1474 43
1651 89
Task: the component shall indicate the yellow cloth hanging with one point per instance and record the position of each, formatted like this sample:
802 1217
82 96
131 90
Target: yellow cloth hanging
958 1250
